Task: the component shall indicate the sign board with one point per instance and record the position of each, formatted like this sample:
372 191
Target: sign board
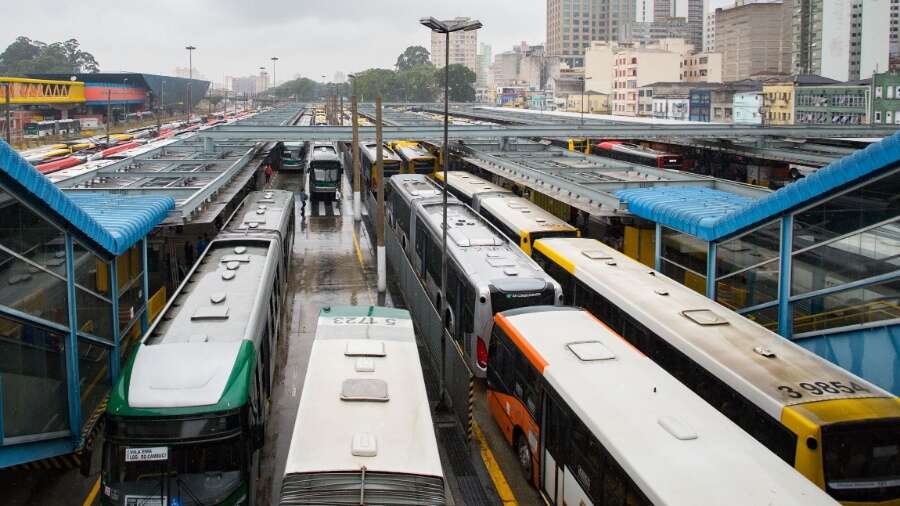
147 454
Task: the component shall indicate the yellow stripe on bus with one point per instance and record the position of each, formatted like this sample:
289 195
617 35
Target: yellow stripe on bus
552 254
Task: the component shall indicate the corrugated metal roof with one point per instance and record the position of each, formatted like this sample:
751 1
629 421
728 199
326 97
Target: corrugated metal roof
713 214
113 222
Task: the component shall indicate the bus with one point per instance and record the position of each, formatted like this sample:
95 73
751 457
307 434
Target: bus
187 418
417 159
292 156
593 421
323 165
522 220
635 153
405 191
368 155
34 130
466 187
840 431
266 212
486 274
363 432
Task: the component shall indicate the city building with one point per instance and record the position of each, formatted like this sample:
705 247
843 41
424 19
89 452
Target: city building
634 67
123 93
715 104
834 104
709 32
590 102
666 28
702 68
75 298
752 39
840 39
599 60
244 86
747 107
885 96
571 26
779 97
524 65
484 60
894 41
463 48
672 100
262 81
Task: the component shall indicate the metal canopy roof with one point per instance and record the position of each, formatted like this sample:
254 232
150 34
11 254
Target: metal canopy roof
712 216
111 223
190 171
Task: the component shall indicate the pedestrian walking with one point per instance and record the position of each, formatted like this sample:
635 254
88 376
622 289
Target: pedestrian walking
302 203
268 173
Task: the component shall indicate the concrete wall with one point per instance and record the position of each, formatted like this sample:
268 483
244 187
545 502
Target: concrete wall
598 67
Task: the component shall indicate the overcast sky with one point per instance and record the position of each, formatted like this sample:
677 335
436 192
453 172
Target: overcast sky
236 37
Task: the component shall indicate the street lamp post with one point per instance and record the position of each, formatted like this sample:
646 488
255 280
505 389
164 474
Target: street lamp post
274 82
125 102
190 50
262 70
446 27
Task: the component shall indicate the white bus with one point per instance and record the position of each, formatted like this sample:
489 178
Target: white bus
363 433
594 421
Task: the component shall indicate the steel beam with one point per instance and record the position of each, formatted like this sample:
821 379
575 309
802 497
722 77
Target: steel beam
434 132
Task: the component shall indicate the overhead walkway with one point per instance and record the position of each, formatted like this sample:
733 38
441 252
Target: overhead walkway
23 91
74 271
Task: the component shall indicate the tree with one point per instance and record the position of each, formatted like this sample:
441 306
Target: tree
413 56
461 79
417 84
300 89
378 82
26 56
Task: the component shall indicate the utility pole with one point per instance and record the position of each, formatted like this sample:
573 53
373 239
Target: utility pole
162 91
274 82
108 113
341 110
8 120
379 218
354 149
190 50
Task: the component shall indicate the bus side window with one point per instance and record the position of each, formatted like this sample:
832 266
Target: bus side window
467 318
420 240
500 367
454 296
433 258
554 429
527 384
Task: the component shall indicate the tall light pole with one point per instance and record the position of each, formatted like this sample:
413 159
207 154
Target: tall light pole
125 102
354 149
584 80
265 80
446 27
190 50
274 82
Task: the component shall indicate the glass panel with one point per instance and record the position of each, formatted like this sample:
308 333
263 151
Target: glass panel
26 233
690 279
768 317
872 203
751 249
94 313
93 366
32 290
685 250
850 307
749 288
131 302
861 256
32 379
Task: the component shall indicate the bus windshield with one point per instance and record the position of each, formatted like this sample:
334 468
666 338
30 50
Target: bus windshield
862 461
198 474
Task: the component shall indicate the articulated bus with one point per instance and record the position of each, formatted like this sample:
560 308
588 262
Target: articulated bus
400 209
267 211
840 431
594 421
363 432
323 165
368 156
518 218
635 153
486 273
187 418
416 157
466 186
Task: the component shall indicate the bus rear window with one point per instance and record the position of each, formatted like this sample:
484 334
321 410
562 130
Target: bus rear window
503 300
862 461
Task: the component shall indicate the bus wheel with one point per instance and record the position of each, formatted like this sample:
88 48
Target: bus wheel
523 453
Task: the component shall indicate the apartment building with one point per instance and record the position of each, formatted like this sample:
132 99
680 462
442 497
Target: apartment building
463 48
752 39
573 24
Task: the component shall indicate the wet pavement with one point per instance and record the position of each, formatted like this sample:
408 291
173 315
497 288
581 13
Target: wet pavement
332 264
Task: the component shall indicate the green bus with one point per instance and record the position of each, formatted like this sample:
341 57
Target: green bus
323 165
187 417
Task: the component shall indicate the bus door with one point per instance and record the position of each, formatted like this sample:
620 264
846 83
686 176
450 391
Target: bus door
563 460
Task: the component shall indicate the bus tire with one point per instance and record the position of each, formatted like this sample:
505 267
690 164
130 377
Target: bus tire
523 455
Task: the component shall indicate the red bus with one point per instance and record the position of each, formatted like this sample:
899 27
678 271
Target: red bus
634 153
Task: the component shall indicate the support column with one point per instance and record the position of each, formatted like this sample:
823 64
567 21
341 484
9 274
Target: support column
73 375
117 334
785 320
145 316
711 270
379 216
657 248
354 149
